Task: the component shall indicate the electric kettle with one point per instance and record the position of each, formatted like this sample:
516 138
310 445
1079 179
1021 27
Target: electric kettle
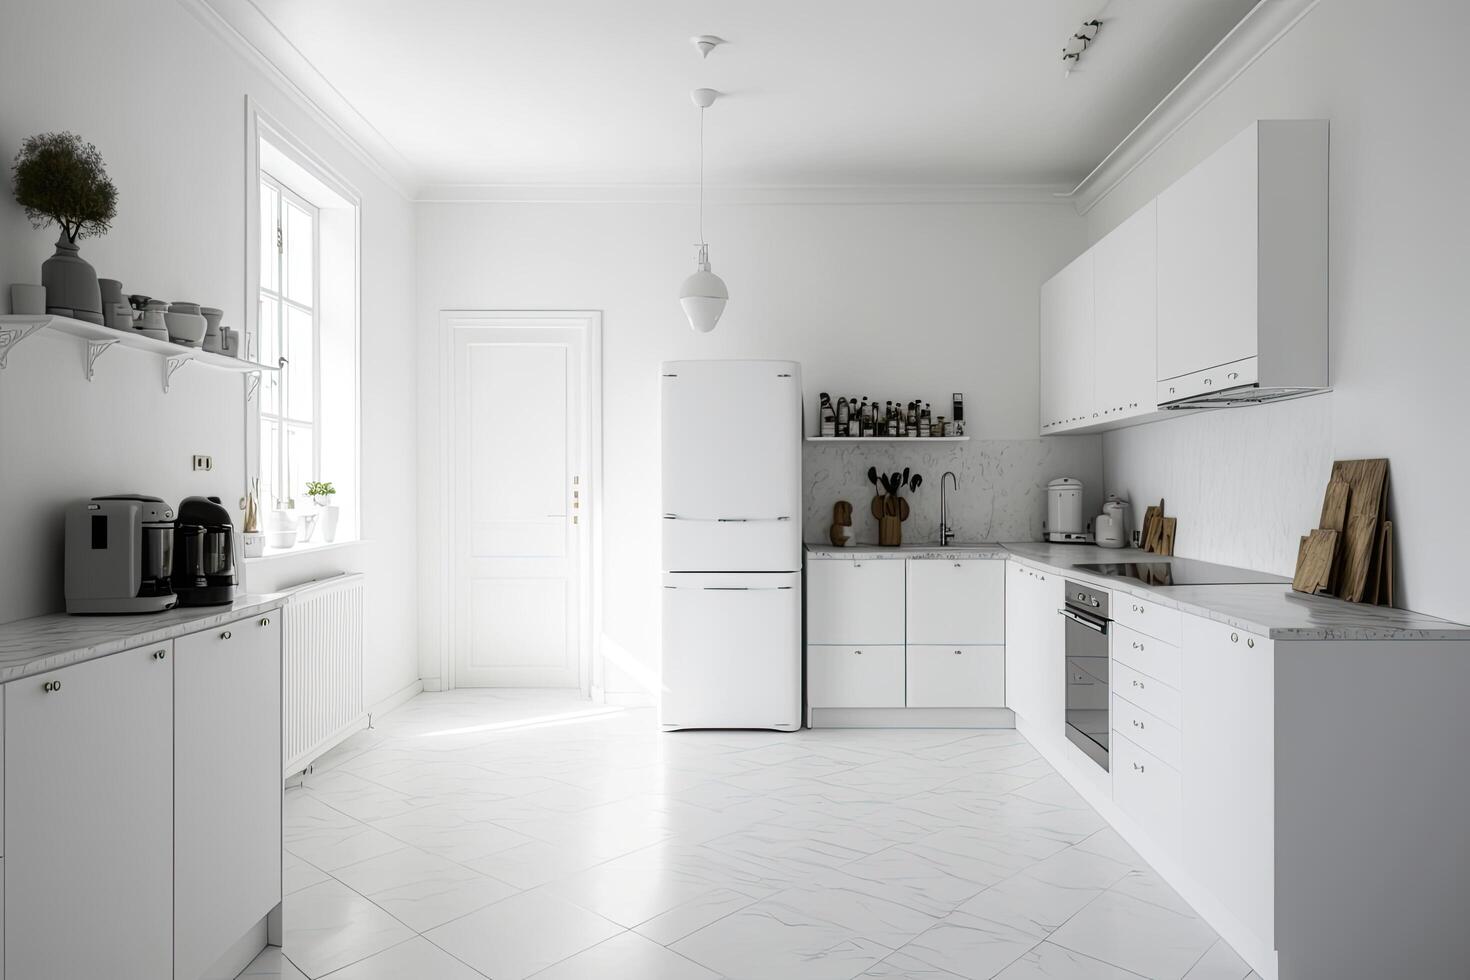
1111 528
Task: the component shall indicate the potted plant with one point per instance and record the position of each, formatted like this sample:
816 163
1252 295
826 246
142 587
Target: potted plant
61 180
322 494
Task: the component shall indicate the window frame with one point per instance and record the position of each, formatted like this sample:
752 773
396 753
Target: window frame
285 421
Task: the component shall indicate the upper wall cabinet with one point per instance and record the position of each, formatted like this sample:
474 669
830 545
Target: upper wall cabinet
1212 295
1243 270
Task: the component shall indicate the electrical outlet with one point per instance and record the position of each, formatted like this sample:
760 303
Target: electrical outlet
202 462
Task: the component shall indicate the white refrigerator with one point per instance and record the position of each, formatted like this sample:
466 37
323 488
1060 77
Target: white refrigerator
731 507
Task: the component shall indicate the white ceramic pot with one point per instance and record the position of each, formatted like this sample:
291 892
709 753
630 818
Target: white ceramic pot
330 516
254 543
281 539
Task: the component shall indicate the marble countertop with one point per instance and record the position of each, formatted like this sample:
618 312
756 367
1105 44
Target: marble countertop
34 646
965 550
1272 610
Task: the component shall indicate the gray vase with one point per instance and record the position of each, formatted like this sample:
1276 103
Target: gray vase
71 283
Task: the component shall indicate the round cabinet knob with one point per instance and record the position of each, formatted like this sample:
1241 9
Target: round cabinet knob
1234 637
958 652
265 621
225 635
858 652
1250 642
958 565
51 687
159 654
1138 684
1137 723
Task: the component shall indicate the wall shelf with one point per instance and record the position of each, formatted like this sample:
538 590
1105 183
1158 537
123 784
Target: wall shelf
861 440
15 328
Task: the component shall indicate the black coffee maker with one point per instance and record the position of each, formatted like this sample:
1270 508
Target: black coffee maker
204 553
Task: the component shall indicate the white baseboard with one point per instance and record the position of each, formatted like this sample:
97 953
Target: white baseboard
911 718
401 696
629 699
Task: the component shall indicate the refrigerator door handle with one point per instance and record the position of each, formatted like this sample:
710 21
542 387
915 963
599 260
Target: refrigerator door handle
733 588
725 520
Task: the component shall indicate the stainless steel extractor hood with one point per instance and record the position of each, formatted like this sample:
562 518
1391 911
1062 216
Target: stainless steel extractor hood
1238 397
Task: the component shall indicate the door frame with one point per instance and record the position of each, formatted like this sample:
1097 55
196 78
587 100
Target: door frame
589 324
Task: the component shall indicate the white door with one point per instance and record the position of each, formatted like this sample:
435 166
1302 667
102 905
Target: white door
518 539
1125 316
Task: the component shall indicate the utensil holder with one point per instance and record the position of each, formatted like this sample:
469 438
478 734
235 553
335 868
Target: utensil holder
890 531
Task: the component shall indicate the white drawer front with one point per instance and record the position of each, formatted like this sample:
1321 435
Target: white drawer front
854 601
956 602
855 677
1210 381
1146 729
1147 617
957 676
1148 791
1153 696
1146 655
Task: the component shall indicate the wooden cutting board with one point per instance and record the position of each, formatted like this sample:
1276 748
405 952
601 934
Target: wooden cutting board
1368 479
1335 505
1314 561
1362 535
1166 535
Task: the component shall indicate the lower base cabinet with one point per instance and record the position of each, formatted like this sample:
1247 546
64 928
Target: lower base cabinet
956 677
855 677
89 819
1148 790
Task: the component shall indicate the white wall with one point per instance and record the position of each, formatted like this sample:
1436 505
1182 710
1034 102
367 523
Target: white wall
892 301
163 98
1390 78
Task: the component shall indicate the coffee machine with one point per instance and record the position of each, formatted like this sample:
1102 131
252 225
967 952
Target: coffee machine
119 555
204 553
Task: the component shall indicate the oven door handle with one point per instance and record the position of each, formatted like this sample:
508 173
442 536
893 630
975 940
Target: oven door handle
1089 622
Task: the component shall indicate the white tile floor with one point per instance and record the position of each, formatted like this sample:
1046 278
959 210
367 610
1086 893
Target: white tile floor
519 834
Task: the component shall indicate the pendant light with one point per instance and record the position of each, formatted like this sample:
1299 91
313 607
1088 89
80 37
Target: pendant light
703 294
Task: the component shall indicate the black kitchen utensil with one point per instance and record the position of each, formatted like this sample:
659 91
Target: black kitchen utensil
905 475
915 482
873 475
897 483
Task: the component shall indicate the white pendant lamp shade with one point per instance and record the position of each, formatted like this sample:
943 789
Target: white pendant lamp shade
703 295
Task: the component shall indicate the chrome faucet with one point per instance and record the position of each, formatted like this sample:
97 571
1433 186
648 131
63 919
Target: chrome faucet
946 533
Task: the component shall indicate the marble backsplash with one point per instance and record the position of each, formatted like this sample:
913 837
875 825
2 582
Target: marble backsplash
1002 484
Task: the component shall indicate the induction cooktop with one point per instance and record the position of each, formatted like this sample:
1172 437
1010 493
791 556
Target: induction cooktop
1180 571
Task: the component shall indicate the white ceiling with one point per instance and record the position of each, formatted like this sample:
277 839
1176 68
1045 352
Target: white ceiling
820 92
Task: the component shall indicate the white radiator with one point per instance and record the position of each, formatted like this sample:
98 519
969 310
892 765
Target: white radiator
322 672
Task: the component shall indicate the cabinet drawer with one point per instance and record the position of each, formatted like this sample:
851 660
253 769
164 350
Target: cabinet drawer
1150 694
1209 381
852 601
956 602
956 676
1146 655
1147 617
1147 790
1146 729
855 677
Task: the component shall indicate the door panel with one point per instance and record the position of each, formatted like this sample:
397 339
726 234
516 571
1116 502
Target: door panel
855 677
953 676
956 602
731 651
518 546
851 602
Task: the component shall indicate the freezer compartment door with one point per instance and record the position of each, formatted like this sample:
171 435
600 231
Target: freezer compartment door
731 651
731 440
731 544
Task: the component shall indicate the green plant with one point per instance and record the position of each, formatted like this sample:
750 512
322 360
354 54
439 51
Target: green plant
319 491
61 180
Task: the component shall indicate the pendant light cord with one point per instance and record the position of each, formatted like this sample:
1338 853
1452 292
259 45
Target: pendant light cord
701 178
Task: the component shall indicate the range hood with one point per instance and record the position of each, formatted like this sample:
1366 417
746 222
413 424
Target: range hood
1233 385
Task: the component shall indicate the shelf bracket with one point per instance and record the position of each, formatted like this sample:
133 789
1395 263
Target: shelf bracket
94 351
171 367
11 335
252 384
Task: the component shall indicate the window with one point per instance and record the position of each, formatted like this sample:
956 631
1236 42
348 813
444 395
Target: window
290 451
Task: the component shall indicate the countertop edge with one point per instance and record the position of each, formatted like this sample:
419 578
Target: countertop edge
208 617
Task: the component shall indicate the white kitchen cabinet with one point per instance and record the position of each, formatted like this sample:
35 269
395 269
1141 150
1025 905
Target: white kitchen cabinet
855 677
1228 769
1035 668
1148 790
950 676
1242 263
1143 653
227 786
1066 317
89 819
852 601
956 602
1125 278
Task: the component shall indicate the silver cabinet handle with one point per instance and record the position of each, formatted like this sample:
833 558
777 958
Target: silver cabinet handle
959 653
159 654
1137 645
225 635
1138 684
265 621
958 565
51 687
1137 723
858 652
1138 767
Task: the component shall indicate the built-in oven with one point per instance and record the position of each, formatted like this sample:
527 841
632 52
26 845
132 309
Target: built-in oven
1086 613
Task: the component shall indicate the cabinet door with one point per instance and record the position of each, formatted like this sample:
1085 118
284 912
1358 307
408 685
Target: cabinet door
855 677
956 602
1228 758
952 676
1050 654
89 819
1125 277
855 601
227 786
1208 254
1067 345
1021 639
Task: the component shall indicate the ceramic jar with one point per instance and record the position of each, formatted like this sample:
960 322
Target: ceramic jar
71 284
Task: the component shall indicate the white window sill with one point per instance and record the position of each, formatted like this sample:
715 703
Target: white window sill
310 548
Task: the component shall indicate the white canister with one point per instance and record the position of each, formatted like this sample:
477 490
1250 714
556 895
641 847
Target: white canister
1063 508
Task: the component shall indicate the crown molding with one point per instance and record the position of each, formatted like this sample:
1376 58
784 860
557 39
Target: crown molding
743 194
242 26
1257 32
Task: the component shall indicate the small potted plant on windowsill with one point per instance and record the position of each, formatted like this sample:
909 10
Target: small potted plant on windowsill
322 494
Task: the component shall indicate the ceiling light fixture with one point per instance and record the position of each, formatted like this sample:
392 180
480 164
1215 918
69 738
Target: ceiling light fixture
706 43
1078 43
703 294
